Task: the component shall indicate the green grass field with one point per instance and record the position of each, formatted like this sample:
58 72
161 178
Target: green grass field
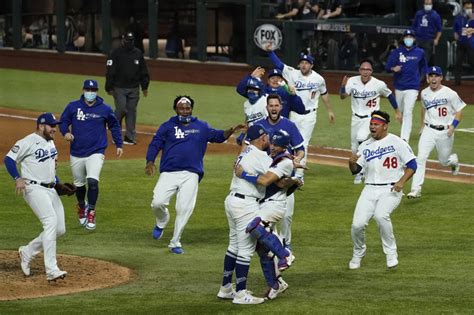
435 249
219 105
434 234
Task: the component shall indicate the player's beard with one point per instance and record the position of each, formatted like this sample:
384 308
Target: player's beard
48 135
271 115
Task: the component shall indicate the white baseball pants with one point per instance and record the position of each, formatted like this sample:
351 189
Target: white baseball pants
48 208
305 124
406 102
86 167
185 185
239 213
429 139
285 223
359 131
377 202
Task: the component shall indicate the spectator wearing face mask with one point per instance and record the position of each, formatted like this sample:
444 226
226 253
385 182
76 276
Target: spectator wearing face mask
427 26
408 64
462 23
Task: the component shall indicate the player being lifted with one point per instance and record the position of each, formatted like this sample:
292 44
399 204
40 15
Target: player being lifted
365 91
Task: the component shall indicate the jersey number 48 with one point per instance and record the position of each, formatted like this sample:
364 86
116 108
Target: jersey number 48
390 162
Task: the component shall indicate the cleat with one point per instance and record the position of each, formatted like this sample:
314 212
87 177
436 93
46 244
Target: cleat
286 262
358 179
392 261
246 297
55 275
414 194
455 169
355 263
82 214
157 232
90 225
226 292
273 293
177 250
24 263
128 141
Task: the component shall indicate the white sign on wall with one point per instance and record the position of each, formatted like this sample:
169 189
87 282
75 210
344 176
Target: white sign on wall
268 33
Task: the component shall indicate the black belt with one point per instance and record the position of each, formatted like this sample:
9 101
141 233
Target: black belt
437 127
243 196
388 184
265 200
309 111
47 185
361 116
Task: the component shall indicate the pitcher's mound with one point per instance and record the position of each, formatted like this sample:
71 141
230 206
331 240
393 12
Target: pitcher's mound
84 274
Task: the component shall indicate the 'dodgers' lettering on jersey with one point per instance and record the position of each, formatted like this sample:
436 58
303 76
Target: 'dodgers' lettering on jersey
42 155
378 153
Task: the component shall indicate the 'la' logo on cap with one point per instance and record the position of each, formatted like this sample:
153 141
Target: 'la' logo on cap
434 68
90 83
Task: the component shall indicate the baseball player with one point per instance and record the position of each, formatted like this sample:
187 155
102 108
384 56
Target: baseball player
84 124
365 91
441 114
388 162
408 65
309 86
241 206
275 85
37 156
183 140
275 122
273 206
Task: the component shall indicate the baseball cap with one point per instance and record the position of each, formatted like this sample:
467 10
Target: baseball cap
90 84
409 33
307 57
435 70
254 132
275 72
128 37
48 119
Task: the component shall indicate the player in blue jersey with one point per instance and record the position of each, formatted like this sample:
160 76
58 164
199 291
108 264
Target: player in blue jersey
84 124
275 122
183 141
408 63
275 85
427 25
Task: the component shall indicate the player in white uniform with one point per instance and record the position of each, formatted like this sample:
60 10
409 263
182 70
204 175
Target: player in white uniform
37 156
388 162
365 92
309 86
441 114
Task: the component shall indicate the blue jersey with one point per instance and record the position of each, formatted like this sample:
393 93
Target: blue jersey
183 146
289 102
426 24
296 139
88 125
461 23
413 63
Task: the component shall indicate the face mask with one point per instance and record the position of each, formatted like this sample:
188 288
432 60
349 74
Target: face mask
253 97
428 7
408 42
185 120
90 96
468 12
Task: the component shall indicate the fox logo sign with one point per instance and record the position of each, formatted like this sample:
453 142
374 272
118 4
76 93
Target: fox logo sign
268 33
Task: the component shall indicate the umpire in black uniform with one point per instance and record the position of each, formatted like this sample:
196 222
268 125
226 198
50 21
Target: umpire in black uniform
126 71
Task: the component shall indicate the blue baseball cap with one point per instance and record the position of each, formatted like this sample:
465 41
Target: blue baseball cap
434 70
255 131
307 57
409 33
275 72
47 119
90 84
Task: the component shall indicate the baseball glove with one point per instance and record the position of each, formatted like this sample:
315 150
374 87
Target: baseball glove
65 189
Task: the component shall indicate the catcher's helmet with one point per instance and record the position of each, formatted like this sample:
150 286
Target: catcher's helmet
280 138
254 84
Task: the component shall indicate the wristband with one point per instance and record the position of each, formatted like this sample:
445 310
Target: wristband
250 178
455 123
342 90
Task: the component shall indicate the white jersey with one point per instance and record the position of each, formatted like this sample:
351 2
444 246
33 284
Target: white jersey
254 162
37 158
441 105
284 168
384 160
257 111
365 98
308 87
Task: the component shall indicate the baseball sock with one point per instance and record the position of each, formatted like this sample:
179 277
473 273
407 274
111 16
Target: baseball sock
229 266
241 272
81 195
92 192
